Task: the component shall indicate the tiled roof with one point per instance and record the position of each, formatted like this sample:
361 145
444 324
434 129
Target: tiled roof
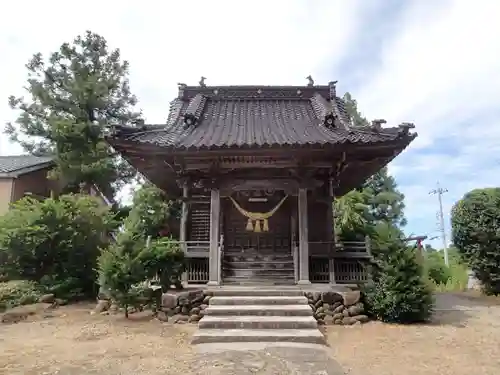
16 165
253 116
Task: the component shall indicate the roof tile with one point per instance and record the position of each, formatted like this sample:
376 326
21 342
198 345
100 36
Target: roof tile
12 164
252 116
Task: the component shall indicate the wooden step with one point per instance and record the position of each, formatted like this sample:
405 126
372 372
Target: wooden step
257 273
279 265
277 280
256 258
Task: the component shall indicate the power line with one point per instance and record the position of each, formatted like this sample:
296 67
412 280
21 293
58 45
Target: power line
439 191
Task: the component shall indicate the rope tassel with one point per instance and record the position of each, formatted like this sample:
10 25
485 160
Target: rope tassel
261 218
249 225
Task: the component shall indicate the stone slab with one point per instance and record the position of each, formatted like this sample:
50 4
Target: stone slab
309 336
265 359
258 322
258 300
269 310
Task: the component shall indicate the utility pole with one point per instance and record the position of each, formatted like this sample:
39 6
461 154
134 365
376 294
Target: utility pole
439 191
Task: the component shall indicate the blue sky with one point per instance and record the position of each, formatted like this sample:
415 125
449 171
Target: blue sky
436 64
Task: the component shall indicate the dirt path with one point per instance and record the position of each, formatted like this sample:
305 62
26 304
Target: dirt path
463 339
77 343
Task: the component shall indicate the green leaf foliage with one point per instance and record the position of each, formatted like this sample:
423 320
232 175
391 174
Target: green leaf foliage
397 291
151 210
18 292
351 213
130 262
381 199
475 224
72 94
120 269
55 242
165 259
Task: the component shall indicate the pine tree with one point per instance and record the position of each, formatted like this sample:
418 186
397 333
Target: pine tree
385 200
73 95
397 291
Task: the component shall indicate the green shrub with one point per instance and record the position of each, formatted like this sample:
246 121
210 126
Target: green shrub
164 259
436 269
18 292
55 242
475 222
120 270
397 292
457 281
126 267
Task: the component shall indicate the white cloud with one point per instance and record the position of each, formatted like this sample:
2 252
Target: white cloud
439 68
277 42
440 71
268 42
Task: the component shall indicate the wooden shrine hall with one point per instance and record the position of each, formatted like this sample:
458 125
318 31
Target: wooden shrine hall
257 169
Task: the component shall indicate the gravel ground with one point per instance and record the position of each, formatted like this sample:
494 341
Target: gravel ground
463 339
75 343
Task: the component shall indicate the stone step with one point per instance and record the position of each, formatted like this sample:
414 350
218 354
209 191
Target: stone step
258 310
257 322
308 336
258 300
257 291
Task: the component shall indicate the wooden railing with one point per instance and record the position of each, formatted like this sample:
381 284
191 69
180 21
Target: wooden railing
196 249
348 259
197 270
347 249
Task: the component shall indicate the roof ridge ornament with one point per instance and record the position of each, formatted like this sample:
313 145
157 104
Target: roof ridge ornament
202 81
181 87
377 124
332 86
405 127
311 81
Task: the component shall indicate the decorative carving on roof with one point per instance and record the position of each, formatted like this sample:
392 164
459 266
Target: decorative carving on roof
377 124
310 81
181 87
194 110
202 81
332 86
324 111
405 127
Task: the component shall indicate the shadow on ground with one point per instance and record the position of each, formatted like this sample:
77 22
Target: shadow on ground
457 308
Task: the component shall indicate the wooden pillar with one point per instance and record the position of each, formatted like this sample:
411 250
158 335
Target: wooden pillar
214 261
331 232
293 240
303 238
183 228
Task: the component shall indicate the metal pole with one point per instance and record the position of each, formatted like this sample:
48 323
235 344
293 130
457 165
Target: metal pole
439 192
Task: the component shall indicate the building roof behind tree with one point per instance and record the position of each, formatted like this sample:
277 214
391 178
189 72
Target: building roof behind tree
13 166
